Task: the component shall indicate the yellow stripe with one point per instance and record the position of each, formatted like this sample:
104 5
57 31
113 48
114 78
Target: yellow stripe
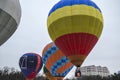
75 19
74 10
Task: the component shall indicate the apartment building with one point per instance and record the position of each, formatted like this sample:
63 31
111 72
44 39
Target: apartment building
94 70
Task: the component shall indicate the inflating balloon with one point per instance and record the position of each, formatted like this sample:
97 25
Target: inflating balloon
10 14
75 26
55 61
30 64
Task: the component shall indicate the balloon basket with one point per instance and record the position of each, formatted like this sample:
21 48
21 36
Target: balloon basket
77 72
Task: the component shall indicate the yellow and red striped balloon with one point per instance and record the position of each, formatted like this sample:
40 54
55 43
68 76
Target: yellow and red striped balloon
75 26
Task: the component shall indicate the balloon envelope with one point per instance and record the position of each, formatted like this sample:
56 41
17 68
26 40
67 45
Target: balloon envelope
10 14
75 26
30 64
48 74
55 61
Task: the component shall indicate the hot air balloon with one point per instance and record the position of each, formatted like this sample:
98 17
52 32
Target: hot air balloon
10 14
30 64
75 27
55 61
48 74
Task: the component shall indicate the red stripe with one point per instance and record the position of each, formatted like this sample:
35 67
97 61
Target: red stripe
76 43
38 64
32 75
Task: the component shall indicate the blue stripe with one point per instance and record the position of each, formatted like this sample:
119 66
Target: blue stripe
63 3
48 53
67 70
63 73
29 54
57 65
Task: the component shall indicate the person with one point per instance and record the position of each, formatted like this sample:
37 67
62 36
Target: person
77 72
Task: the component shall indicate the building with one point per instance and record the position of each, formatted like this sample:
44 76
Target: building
94 70
118 72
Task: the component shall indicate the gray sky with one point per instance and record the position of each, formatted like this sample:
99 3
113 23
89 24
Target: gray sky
32 35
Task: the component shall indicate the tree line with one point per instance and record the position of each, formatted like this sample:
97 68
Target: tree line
7 73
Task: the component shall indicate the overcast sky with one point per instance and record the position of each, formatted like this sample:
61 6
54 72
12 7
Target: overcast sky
32 35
